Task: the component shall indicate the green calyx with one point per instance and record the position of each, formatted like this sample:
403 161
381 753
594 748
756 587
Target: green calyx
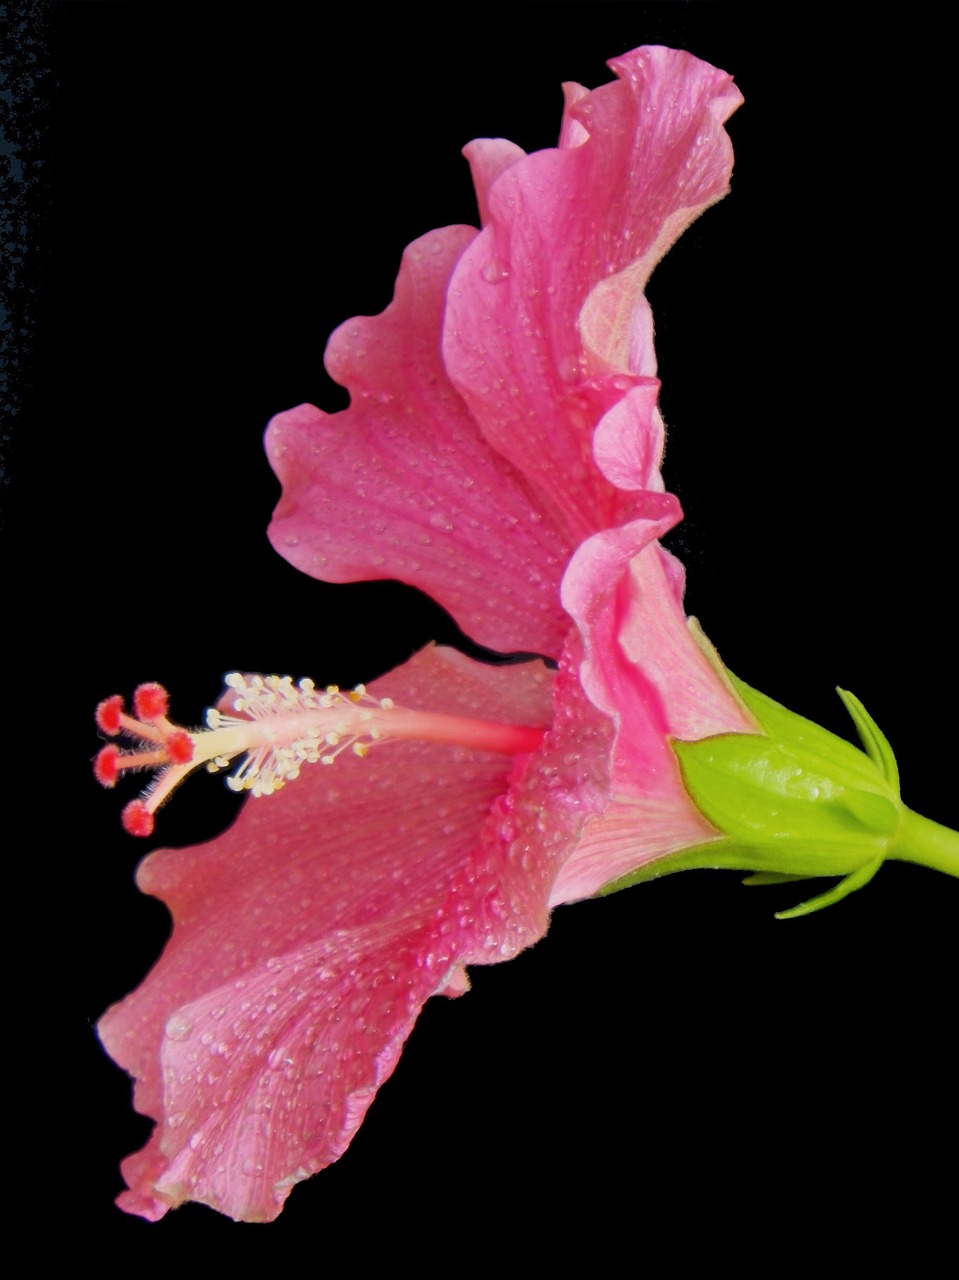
793 802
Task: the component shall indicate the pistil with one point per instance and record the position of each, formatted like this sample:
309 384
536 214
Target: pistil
275 726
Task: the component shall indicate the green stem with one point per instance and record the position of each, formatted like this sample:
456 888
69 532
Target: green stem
926 842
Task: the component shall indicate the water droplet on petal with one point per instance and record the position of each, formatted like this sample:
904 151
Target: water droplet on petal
495 273
178 1027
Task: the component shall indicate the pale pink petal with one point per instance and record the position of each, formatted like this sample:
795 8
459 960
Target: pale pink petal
628 442
403 485
546 305
306 939
643 669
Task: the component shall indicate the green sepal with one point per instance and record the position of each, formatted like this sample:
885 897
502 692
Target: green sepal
781 724
849 884
873 739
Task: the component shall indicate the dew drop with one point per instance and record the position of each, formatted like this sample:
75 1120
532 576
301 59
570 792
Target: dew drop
178 1027
495 273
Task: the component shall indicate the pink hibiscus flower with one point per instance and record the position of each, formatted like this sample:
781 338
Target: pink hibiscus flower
502 452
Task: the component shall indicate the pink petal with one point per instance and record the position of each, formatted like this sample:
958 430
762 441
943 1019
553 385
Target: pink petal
546 315
402 484
488 158
572 132
306 939
680 163
565 787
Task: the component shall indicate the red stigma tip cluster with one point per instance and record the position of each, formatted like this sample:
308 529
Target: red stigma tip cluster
278 726
161 746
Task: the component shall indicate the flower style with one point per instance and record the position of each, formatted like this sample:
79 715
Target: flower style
501 451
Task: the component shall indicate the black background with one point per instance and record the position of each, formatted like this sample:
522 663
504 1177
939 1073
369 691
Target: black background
220 190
